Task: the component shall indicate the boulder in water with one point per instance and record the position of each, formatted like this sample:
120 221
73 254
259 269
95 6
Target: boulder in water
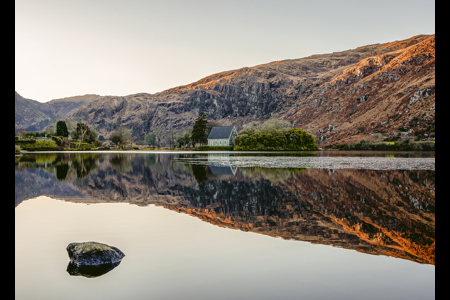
93 254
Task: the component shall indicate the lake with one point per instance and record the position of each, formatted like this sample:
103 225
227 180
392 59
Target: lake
300 225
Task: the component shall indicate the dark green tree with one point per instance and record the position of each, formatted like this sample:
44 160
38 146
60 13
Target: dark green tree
199 130
61 129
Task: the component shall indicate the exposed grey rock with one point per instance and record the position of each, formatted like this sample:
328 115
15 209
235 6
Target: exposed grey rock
363 98
422 94
93 254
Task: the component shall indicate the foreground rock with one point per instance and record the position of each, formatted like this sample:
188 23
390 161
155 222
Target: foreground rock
93 254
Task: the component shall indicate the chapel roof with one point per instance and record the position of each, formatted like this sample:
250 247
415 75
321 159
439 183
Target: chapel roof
220 132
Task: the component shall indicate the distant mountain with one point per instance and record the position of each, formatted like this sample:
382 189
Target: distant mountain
35 116
364 93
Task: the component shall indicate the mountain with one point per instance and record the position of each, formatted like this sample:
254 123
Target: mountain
35 116
364 93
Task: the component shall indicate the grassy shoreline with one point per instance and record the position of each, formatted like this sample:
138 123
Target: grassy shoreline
386 146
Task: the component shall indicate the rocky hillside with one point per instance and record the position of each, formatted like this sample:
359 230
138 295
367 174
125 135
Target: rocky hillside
364 93
35 116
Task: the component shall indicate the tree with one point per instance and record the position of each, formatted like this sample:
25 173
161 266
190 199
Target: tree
150 139
97 143
158 135
199 130
293 139
172 137
120 136
101 138
275 124
84 133
80 133
61 129
185 138
91 135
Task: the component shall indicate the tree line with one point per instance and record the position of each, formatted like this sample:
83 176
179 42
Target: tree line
190 137
271 135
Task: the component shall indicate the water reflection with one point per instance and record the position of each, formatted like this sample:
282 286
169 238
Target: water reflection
381 212
90 271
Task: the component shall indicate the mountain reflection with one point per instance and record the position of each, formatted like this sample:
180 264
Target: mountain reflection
381 212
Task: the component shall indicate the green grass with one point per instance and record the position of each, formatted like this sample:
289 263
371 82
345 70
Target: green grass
40 145
389 146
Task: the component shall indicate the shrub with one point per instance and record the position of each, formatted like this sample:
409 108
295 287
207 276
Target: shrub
293 139
21 142
59 141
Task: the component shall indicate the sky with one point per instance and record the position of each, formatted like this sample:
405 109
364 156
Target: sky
122 47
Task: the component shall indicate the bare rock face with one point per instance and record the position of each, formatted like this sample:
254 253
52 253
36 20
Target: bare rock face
93 254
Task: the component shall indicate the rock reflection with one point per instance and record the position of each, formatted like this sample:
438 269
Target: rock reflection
90 271
381 212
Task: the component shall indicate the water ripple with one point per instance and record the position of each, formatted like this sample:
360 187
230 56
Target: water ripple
372 163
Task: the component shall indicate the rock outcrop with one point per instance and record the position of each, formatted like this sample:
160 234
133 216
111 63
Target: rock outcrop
93 254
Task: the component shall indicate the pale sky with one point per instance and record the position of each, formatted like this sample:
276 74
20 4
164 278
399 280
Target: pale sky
122 47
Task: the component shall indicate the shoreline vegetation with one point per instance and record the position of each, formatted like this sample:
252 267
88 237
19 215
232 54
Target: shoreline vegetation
405 145
272 136
244 143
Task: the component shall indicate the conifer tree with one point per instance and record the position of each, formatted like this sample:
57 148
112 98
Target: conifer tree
199 130
61 129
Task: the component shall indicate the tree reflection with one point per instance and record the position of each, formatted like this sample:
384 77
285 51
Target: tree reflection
200 174
61 171
84 164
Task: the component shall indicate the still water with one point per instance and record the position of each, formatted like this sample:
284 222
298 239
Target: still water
330 225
